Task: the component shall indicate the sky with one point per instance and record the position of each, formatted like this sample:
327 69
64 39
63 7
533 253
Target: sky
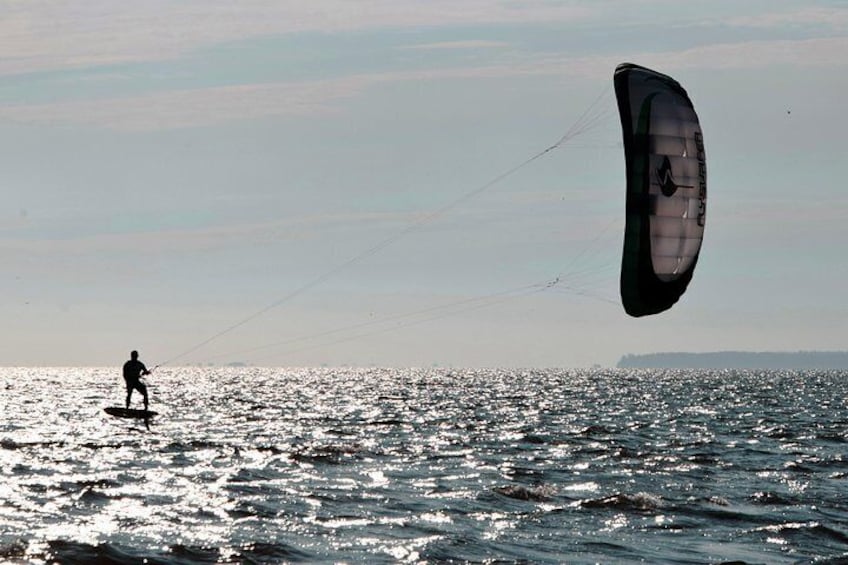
339 182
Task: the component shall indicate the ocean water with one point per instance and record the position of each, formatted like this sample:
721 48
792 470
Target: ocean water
425 466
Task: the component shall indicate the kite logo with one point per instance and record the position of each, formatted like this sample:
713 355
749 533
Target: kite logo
666 179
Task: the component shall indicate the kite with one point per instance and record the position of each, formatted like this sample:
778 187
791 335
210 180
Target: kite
666 189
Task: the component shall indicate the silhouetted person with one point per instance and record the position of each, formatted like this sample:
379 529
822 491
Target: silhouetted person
133 371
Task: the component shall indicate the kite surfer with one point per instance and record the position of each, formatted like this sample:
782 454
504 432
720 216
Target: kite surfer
133 371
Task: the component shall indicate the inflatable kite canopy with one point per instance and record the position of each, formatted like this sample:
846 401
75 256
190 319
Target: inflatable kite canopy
666 189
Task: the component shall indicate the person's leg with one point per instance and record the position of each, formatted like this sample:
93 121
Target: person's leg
129 394
142 388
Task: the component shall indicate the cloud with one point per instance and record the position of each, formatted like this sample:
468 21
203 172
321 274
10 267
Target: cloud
210 106
189 108
833 18
826 52
467 44
46 35
43 35
198 239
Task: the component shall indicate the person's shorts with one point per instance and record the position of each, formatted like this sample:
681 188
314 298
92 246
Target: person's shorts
137 385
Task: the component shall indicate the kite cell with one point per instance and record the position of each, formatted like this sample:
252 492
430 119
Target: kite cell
666 189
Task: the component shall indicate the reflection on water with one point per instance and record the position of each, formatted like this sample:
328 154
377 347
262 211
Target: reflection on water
386 465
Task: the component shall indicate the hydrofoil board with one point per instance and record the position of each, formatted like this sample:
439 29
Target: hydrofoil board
128 412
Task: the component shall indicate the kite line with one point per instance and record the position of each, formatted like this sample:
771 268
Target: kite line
587 121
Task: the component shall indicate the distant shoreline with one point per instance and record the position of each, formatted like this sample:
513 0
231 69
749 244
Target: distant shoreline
738 360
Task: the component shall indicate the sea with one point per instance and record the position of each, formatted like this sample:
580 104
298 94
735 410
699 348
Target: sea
434 465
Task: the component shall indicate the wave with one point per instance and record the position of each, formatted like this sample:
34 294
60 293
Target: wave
596 430
76 553
332 454
541 493
773 498
806 532
13 551
13 445
271 553
641 501
194 445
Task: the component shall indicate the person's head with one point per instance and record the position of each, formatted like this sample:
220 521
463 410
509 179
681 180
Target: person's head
134 355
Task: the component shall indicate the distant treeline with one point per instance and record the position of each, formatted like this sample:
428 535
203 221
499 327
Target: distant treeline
738 360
